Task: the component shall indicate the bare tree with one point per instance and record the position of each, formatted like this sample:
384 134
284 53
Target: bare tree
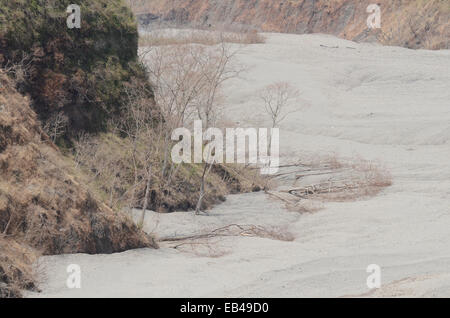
217 67
206 169
56 125
277 98
187 80
138 124
20 70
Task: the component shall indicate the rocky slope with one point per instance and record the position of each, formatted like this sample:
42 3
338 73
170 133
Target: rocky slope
410 23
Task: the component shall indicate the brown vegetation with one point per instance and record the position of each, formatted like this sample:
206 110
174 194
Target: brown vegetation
199 37
132 165
329 180
44 207
107 163
16 272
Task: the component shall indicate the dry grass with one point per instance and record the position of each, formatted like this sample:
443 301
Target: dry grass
418 24
43 205
106 166
436 42
16 271
162 38
330 179
361 179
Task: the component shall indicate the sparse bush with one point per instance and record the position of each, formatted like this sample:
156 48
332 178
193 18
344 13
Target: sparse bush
56 125
183 37
16 273
327 178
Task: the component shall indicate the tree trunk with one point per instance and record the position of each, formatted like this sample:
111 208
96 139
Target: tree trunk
202 188
146 197
133 191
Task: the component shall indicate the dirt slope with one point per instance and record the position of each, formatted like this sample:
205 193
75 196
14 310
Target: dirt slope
44 209
409 23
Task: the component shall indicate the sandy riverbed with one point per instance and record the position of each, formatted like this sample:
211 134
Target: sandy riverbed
387 104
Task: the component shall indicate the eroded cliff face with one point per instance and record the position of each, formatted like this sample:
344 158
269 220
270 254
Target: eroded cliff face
409 23
44 207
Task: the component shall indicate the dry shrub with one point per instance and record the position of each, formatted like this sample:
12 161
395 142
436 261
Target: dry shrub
373 174
16 271
239 178
332 179
163 38
436 41
361 178
19 70
56 125
322 161
107 163
253 37
418 25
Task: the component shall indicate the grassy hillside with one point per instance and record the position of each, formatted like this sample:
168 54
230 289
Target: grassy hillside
80 72
44 206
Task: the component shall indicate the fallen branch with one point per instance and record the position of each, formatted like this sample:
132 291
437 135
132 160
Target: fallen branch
235 230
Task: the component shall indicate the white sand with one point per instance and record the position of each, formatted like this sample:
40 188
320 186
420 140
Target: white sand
380 103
